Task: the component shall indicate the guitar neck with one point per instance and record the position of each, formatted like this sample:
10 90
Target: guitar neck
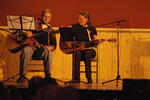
82 42
38 33
5 30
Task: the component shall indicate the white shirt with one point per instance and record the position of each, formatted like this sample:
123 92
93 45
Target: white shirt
44 26
88 31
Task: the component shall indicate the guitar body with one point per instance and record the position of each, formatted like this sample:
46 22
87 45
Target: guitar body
69 47
65 48
14 46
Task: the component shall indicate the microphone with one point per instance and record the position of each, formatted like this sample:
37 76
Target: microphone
39 20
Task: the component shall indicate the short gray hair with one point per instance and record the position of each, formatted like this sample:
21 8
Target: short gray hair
46 11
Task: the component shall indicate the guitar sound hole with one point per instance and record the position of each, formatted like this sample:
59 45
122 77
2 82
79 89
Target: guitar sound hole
20 39
76 45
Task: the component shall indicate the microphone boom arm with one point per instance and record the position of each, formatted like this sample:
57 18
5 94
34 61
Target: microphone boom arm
110 23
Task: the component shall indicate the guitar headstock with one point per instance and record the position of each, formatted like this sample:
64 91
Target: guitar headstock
112 40
108 40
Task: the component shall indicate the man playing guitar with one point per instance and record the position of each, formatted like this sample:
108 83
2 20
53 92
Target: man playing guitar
42 47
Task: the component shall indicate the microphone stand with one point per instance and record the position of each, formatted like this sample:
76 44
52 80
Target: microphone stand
118 57
110 23
21 25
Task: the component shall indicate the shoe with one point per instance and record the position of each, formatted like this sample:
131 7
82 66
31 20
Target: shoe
20 80
89 80
25 78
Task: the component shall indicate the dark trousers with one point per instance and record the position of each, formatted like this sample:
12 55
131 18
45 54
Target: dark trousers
28 53
85 56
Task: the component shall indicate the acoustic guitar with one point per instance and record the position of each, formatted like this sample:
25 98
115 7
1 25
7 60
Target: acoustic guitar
69 47
15 42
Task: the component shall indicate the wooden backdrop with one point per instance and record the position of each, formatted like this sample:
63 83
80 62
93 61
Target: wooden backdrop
134 56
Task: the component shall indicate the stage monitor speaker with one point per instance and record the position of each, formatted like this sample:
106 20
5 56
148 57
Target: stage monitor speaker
136 86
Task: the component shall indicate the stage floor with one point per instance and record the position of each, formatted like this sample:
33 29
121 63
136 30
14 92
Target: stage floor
62 82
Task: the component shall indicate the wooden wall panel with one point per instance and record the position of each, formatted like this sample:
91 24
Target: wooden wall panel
134 56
